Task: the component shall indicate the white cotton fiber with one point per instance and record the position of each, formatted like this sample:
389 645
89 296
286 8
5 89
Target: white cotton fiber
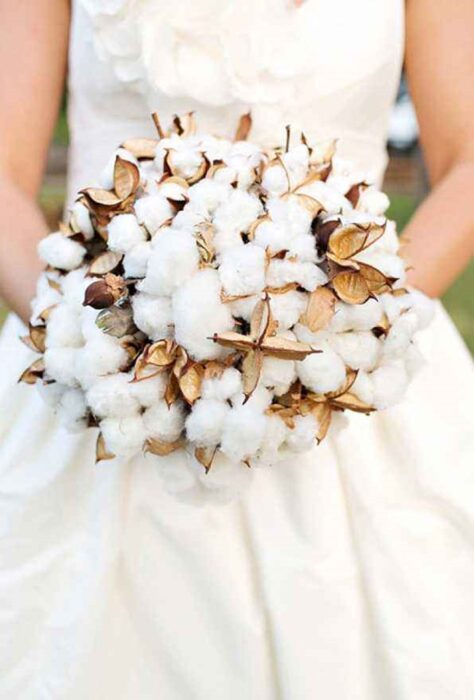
223 387
124 437
291 214
153 315
100 356
390 382
278 374
106 178
373 201
60 251
72 409
206 195
199 313
163 422
124 232
302 436
273 438
400 334
51 392
205 423
174 258
423 307
60 364
81 220
238 212
363 388
242 270
356 317
74 286
149 391
359 350
332 201
152 211
322 372
136 260
112 397
307 275
64 328
243 432
275 180
288 307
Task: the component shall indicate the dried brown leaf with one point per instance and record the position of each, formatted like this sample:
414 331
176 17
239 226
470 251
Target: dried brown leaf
126 177
161 448
101 452
243 127
320 309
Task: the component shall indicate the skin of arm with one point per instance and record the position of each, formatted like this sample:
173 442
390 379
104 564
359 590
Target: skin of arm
439 241
33 54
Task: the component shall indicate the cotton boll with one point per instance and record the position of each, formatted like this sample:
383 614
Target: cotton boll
215 149
359 350
373 201
64 328
223 387
81 220
60 251
149 391
319 339
356 317
112 396
363 388
72 410
288 307
272 237
199 313
153 315
423 307
163 422
238 212
187 220
74 287
273 439
44 299
390 382
124 437
173 260
242 270
296 161
303 247
243 153
331 200
124 232
51 392
400 334
152 211
59 365
283 272
243 432
259 400
291 214
136 260
302 437
100 355
278 374
275 180
206 195
389 242
322 372
393 306
204 424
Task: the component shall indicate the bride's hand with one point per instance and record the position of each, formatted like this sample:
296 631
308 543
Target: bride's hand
440 65
32 70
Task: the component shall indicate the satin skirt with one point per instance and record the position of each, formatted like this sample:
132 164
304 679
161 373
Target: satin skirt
344 574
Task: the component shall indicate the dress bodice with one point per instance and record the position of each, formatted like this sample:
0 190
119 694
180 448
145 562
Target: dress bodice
328 68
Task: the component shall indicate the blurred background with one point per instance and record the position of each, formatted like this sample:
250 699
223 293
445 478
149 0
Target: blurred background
406 184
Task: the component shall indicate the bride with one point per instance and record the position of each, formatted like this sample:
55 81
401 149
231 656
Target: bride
348 575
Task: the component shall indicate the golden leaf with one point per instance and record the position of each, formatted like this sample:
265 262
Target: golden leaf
141 148
376 281
351 287
172 390
101 452
205 456
320 309
352 403
285 349
190 383
322 412
347 241
251 370
126 177
161 448
231 339
260 319
34 372
161 354
104 198
105 262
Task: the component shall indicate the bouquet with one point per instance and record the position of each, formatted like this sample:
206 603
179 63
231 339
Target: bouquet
216 299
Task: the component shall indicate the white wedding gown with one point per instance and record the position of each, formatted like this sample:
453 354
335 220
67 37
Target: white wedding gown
347 574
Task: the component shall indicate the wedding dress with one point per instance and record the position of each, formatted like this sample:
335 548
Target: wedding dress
345 574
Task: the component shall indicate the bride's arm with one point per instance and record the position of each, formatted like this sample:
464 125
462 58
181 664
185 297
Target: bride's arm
33 50
440 68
